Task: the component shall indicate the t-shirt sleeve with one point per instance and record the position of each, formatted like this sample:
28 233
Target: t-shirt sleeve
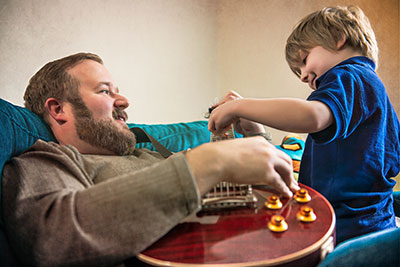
338 91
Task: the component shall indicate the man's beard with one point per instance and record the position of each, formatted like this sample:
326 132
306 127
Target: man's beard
103 133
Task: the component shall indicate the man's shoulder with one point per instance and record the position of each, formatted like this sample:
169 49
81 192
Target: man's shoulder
43 157
49 148
41 145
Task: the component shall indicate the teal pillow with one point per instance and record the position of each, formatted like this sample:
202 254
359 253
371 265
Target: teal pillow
176 136
293 145
20 128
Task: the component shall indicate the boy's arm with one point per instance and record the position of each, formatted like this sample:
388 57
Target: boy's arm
287 114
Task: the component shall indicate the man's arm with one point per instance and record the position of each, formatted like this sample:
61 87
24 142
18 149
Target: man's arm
55 215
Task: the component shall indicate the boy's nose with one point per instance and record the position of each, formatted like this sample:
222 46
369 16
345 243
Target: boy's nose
304 77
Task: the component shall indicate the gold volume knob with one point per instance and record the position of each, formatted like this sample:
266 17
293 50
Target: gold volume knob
277 224
302 196
273 203
306 214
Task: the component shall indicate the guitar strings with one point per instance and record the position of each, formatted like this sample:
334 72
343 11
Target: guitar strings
288 204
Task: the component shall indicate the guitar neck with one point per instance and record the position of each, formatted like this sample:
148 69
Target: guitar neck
228 134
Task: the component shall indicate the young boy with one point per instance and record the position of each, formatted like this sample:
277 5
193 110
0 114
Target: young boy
352 150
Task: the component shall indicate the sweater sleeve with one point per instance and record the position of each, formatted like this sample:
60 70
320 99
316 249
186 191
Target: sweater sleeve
55 215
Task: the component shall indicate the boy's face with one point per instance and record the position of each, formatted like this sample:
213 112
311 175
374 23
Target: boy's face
316 62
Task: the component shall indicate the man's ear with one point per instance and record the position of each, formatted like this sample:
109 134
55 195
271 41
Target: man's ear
55 109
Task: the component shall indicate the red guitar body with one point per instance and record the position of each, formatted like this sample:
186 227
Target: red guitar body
241 237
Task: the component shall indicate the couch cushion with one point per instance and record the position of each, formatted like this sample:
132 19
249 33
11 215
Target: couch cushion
176 136
20 128
293 145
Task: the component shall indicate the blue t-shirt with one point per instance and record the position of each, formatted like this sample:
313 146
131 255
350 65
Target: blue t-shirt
352 161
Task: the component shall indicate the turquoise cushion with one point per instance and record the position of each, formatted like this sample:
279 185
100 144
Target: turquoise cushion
293 145
20 128
176 136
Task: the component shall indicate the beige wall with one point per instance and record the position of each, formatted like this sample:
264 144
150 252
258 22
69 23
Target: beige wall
252 36
172 58
251 39
162 53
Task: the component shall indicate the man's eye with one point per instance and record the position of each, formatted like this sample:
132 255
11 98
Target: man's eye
107 92
305 60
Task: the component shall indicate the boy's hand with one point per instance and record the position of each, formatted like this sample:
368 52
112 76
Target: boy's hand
223 116
232 95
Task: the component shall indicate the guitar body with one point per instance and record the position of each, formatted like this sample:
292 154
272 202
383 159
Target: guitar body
241 237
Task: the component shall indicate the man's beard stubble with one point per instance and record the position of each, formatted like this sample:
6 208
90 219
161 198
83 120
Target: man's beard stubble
103 133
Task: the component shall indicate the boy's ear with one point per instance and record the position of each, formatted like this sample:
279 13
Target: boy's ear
341 42
55 109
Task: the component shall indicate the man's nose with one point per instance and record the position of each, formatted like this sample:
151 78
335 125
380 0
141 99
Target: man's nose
121 101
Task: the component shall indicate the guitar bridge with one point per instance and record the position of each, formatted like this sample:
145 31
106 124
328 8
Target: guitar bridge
228 195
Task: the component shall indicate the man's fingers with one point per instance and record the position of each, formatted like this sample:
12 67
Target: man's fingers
279 185
285 180
288 177
284 156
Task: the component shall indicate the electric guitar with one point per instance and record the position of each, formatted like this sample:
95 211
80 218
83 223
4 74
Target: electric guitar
244 225
273 232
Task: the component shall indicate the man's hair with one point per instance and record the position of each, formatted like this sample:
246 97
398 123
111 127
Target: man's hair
53 80
326 28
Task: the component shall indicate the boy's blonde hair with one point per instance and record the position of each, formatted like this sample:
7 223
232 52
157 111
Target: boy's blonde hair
326 28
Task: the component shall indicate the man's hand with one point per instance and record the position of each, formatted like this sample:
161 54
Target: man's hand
246 161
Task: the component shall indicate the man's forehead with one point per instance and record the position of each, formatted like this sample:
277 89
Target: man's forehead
90 71
85 67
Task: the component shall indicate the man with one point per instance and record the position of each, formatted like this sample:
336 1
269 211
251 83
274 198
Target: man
94 200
